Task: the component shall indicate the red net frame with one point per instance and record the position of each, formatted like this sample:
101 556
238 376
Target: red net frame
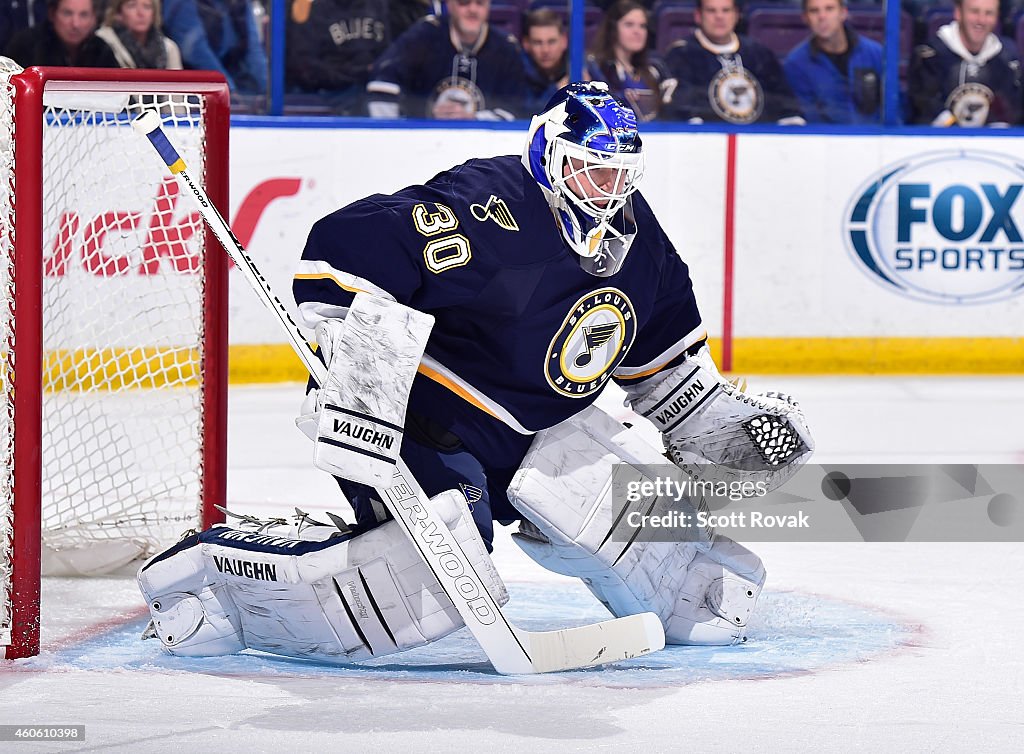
27 323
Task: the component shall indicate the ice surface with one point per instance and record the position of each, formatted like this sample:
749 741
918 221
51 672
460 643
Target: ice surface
896 646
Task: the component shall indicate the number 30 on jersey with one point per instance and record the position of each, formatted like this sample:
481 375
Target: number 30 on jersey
449 249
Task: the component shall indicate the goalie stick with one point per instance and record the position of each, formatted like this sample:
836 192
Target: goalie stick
511 650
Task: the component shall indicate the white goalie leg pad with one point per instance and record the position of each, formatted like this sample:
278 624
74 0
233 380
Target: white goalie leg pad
713 430
314 593
702 591
372 357
191 615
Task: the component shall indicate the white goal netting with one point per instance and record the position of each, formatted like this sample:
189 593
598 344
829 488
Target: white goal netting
122 330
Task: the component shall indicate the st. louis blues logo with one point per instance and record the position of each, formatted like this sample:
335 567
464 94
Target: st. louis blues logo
591 342
497 210
593 338
970 104
735 95
473 494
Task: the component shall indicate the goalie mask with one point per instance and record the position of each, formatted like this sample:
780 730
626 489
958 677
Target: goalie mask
586 155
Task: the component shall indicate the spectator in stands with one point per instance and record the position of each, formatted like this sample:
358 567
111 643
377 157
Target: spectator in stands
836 74
545 57
132 29
16 15
219 35
66 38
966 75
621 58
724 76
332 44
449 68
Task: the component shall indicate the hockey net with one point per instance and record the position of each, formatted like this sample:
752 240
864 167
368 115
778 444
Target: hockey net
114 327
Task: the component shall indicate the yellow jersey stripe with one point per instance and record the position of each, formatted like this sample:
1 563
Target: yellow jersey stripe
457 389
328 276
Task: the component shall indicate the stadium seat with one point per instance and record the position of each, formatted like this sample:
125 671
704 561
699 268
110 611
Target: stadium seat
673 22
507 18
870 21
779 29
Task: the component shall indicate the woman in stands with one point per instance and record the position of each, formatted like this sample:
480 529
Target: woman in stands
132 29
620 56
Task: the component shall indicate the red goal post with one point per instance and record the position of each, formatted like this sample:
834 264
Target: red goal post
114 326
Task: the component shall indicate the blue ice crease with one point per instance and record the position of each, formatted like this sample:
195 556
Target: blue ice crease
790 633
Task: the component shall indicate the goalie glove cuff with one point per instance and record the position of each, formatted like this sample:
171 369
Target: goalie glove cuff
713 429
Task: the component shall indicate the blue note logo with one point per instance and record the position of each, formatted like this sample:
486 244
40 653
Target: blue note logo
497 210
592 340
472 494
943 227
736 95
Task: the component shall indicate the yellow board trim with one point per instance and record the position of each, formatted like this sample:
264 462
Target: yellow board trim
877 355
277 363
251 364
120 369
147 368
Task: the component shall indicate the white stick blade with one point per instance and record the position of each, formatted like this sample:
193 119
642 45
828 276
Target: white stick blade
597 644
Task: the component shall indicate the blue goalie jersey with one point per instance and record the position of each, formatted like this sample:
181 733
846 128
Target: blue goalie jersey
523 338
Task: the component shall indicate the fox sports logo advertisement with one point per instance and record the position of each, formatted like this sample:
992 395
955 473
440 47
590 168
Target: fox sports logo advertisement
943 227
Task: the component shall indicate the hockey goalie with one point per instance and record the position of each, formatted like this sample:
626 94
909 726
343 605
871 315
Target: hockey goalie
468 324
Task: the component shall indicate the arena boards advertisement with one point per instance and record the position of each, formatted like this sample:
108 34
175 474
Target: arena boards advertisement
943 227
283 180
809 253
905 256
